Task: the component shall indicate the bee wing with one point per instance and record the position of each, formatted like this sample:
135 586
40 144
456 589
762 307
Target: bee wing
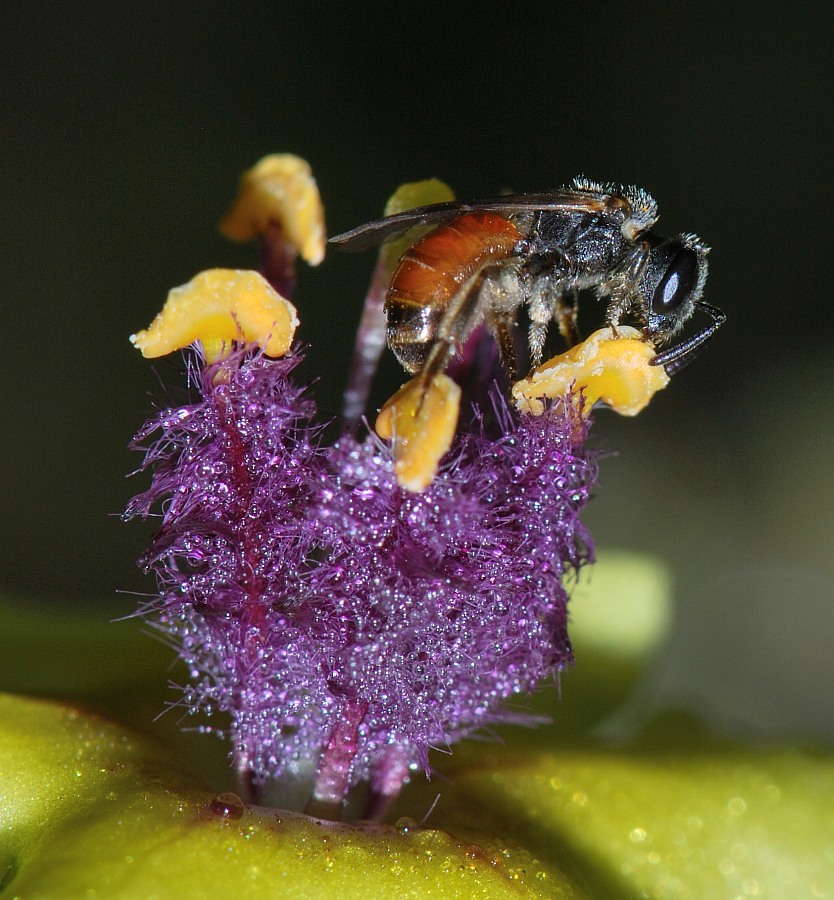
378 232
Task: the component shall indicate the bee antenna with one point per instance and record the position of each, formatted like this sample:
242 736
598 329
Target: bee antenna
675 358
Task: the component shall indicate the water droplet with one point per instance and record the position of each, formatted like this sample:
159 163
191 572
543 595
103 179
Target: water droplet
736 806
227 806
405 824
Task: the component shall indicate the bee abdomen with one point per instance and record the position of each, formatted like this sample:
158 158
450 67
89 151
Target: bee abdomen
431 273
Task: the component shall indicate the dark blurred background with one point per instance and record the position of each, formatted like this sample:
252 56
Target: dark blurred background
124 133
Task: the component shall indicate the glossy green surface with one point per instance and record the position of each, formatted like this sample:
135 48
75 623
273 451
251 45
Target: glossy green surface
89 808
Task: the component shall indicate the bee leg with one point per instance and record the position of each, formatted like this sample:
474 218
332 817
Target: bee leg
458 320
435 363
467 308
503 327
548 274
565 313
620 303
544 298
540 315
502 295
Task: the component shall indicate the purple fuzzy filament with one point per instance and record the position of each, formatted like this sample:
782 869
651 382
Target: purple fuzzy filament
346 625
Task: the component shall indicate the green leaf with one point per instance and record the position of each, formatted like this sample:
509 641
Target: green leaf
704 821
118 668
91 810
620 615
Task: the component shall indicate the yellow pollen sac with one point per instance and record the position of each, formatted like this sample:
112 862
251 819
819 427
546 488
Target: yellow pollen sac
610 368
217 307
420 422
281 190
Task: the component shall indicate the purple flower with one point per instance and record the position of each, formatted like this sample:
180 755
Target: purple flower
349 606
347 625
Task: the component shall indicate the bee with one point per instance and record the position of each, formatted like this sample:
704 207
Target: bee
484 261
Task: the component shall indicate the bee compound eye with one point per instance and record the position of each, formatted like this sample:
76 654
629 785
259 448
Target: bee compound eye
677 283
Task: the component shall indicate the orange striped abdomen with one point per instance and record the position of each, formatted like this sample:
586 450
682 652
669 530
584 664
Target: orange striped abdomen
431 273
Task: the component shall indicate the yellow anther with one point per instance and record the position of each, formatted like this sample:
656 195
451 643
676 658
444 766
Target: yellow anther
420 422
611 368
281 190
217 307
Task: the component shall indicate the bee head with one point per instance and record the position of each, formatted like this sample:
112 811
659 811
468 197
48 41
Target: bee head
672 283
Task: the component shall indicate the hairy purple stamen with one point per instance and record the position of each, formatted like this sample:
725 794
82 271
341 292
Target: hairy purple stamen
344 624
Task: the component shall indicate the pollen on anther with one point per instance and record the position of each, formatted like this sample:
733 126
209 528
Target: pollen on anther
279 189
420 421
609 368
217 307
